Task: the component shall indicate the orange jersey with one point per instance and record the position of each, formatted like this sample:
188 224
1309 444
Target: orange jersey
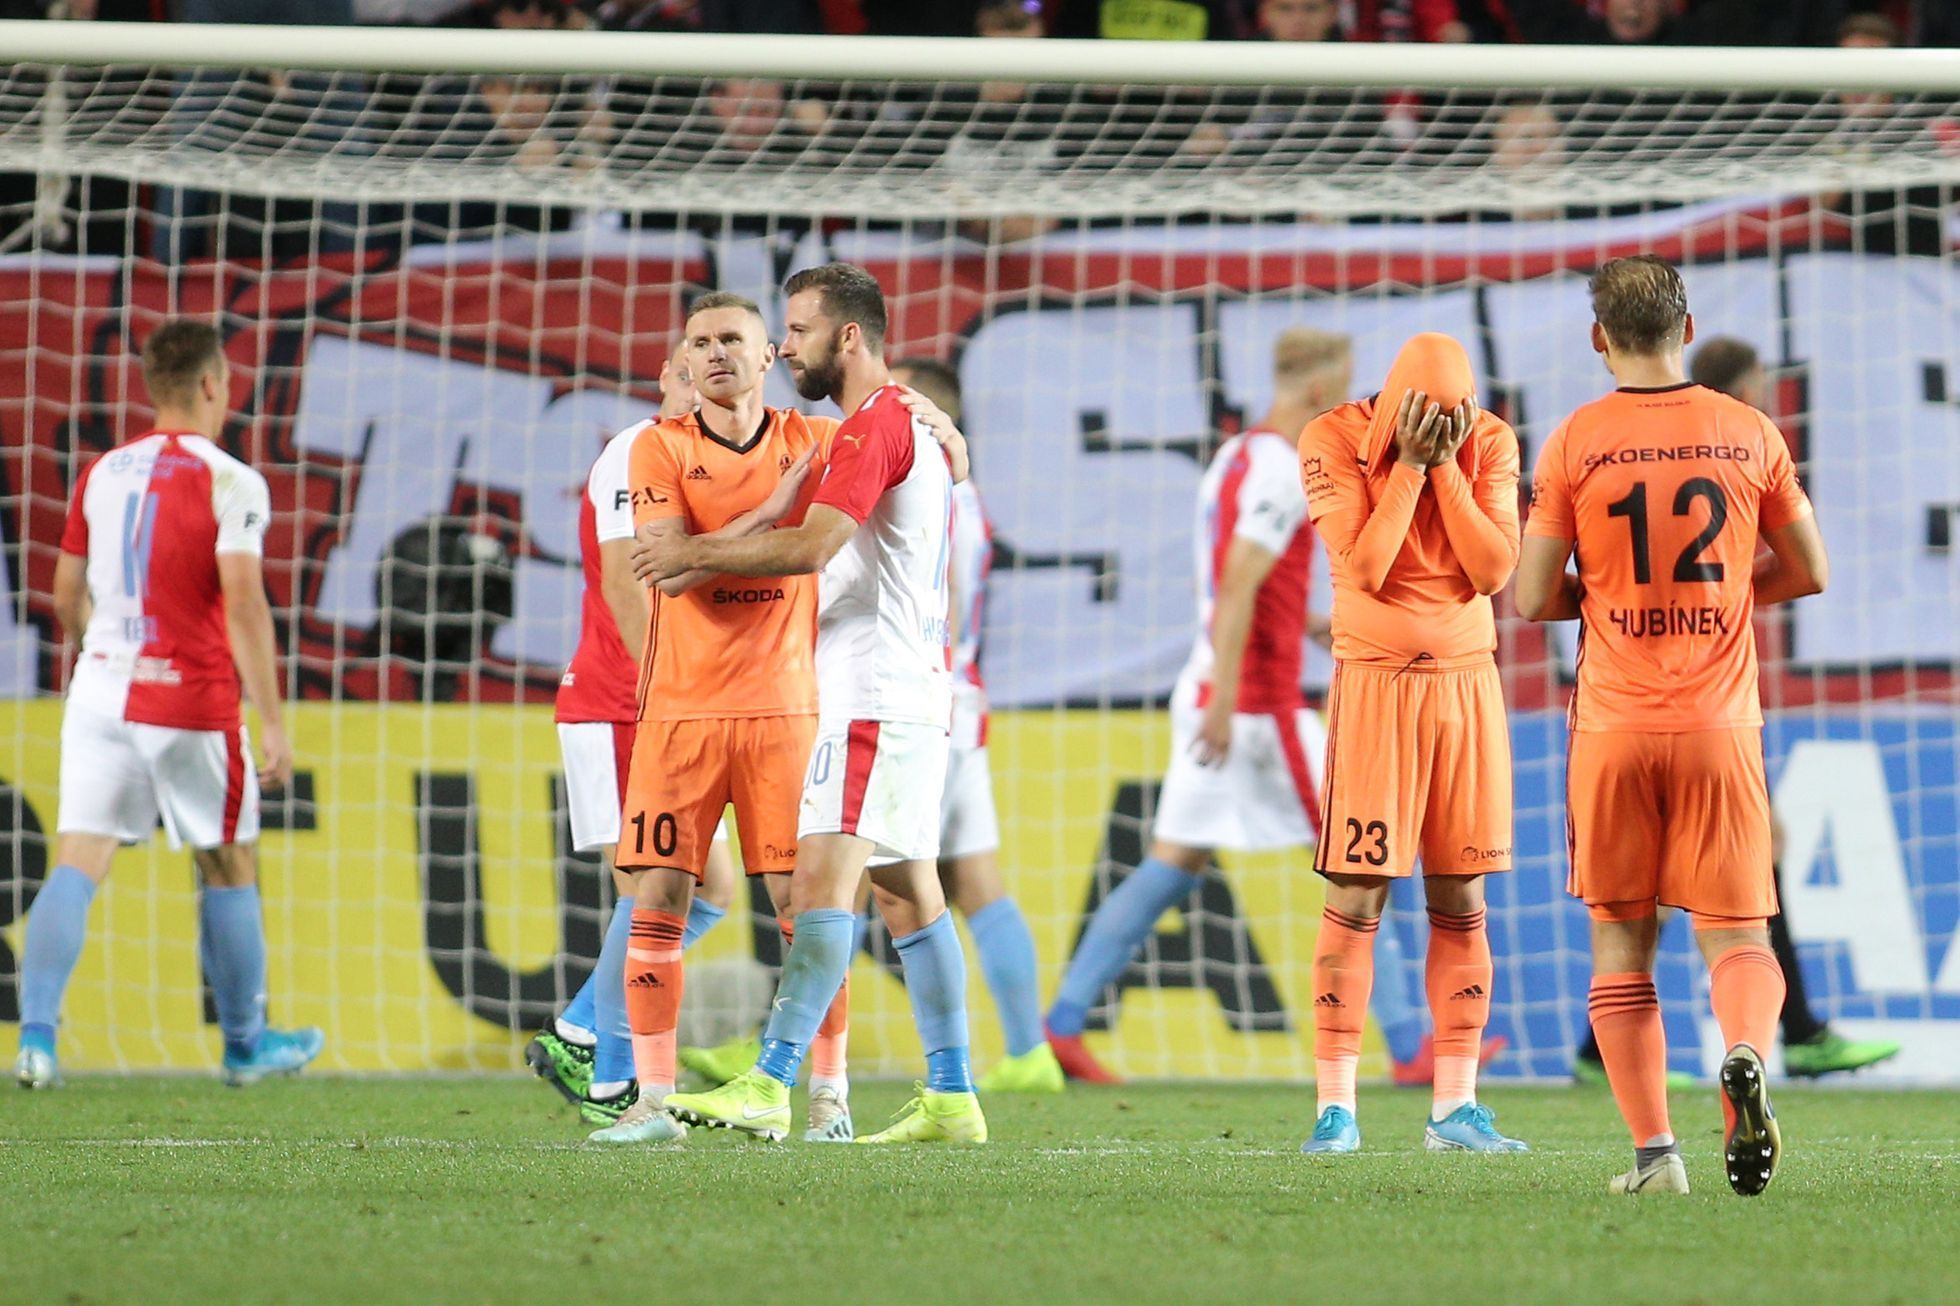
735 646
1414 554
1665 494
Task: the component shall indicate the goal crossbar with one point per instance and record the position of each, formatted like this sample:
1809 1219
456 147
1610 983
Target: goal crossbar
855 58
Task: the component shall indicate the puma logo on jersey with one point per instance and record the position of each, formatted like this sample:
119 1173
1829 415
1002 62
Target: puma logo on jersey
699 473
853 439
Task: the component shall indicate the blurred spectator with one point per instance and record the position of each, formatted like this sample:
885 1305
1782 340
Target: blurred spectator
1300 20
1911 221
1003 127
1406 20
761 16
1148 20
402 13
1919 22
1527 146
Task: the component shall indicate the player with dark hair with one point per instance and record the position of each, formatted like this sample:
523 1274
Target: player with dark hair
969 829
1666 489
160 580
879 530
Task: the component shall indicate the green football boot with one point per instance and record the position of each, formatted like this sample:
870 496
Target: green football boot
752 1102
1828 1052
936 1118
724 1061
1034 1071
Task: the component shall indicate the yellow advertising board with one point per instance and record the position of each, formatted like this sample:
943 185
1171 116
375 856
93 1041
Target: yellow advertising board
419 903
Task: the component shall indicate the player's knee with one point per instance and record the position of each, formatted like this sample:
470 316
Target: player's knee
666 889
1454 895
228 866
1192 861
91 854
1361 896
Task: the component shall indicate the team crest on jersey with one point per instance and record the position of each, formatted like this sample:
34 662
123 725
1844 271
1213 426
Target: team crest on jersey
699 473
782 463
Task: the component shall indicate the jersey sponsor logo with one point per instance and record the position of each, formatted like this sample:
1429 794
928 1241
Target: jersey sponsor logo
763 594
1472 853
155 671
1314 477
644 497
778 853
1655 623
623 499
1679 453
699 473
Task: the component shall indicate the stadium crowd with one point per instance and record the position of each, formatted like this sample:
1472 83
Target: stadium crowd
554 129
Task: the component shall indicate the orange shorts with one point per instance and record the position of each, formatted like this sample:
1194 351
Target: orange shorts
1418 763
1682 820
684 775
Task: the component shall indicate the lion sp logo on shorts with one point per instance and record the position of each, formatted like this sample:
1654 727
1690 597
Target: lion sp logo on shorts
1474 854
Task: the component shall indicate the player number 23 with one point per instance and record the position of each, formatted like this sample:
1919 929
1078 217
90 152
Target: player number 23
1374 854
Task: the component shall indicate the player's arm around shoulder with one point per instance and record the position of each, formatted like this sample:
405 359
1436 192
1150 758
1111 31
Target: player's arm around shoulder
1545 591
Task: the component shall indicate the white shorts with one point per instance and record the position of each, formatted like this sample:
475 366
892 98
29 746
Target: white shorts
595 754
879 780
967 821
118 777
1265 794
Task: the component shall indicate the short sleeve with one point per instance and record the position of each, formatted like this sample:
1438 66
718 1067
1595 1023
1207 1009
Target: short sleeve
243 506
609 488
653 476
74 531
1272 505
1784 501
1551 493
867 458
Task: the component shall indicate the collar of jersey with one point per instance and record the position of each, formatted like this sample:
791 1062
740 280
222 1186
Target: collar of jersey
762 429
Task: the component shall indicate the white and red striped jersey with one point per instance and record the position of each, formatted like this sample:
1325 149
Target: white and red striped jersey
883 639
601 682
1252 491
151 517
972 561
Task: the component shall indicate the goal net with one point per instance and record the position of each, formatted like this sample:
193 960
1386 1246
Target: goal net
448 265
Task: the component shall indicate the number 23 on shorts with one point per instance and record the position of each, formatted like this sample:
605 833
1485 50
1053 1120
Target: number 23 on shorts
1366 843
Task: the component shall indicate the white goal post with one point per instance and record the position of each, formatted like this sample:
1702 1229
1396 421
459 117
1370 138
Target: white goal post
446 262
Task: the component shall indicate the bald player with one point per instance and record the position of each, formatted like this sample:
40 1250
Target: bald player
1414 493
1666 490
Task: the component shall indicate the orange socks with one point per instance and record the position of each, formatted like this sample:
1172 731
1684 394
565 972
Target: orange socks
1745 986
1458 974
1343 974
1626 1019
829 1050
653 997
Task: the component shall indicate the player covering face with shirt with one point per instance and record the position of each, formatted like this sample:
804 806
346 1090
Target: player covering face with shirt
1414 493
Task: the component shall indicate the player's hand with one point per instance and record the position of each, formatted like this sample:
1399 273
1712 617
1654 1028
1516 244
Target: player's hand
1320 629
276 752
943 429
1452 434
1418 424
659 555
782 499
1214 739
677 397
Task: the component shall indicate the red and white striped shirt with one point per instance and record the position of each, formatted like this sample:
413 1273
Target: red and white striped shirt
1252 490
151 518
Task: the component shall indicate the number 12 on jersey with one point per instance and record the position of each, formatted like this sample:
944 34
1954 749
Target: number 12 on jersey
1689 566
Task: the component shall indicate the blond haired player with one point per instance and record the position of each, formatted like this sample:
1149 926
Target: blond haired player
879 530
727 696
1414 492
1666 490
160 579
586 1050
1246 750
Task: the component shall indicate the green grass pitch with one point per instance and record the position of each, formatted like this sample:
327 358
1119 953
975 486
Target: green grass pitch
416 1190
